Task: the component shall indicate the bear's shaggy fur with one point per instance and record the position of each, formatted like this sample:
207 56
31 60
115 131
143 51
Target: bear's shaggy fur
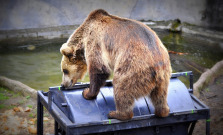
131 49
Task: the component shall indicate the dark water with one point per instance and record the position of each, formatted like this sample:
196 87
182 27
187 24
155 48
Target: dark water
199 53
38 65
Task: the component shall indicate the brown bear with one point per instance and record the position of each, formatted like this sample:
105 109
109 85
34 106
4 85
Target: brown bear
139 60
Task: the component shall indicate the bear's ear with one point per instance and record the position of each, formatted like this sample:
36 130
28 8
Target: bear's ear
66 50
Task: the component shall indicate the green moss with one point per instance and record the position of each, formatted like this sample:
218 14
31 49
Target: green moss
2 106
188 24
30 106
168 38
173 39
27 97
31 115
207 90
218 82
15 95
21 102
4 91
3 96
10 107
46 115
175 25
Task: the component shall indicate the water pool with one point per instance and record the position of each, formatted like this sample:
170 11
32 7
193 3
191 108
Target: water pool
38 65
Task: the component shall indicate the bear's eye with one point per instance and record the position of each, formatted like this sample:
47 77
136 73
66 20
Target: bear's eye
65 71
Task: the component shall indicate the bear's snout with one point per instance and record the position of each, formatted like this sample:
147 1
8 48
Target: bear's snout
62 85
67 84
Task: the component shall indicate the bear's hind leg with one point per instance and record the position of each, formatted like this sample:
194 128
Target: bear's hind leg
159 99
124 106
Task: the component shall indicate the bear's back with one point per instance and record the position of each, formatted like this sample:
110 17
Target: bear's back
127 41
131 38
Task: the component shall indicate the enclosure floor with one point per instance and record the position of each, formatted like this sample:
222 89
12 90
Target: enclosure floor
212 96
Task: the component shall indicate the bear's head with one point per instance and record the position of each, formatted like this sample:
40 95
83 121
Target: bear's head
73 65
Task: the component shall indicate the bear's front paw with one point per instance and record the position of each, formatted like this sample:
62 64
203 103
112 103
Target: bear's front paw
86 94
120 116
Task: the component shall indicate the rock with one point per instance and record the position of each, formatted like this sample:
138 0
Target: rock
207 77
31 47
175 26
17 86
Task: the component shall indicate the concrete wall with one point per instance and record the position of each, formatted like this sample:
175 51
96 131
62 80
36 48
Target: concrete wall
23 14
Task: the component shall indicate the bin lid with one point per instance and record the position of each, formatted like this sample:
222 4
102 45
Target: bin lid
80 110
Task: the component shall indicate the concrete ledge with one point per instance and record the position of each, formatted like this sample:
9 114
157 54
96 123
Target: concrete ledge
63 32
47 33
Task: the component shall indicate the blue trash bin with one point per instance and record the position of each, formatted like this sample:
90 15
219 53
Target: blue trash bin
75 115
